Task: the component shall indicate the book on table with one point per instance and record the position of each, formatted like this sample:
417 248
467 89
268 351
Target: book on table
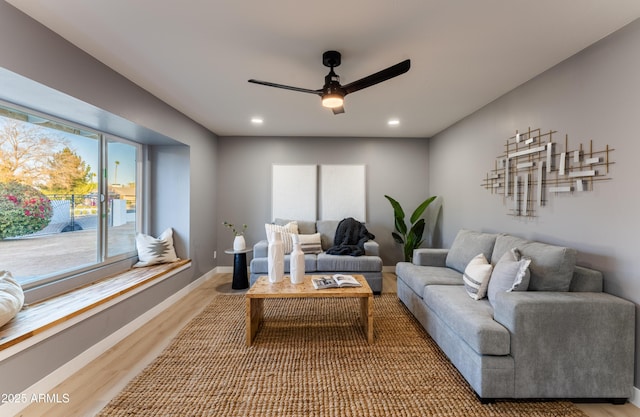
334 281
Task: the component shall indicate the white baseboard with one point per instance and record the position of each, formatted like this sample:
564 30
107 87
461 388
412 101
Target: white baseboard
65 371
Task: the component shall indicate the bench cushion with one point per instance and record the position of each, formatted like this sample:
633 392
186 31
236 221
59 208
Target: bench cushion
472 320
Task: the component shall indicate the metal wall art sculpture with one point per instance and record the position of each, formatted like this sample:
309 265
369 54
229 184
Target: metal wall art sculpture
534 166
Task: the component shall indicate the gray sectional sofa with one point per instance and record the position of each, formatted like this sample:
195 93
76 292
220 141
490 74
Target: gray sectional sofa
562 338
368 265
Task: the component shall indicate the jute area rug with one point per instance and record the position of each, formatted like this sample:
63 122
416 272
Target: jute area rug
310 358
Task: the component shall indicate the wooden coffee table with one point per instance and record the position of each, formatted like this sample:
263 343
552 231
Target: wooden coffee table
254 300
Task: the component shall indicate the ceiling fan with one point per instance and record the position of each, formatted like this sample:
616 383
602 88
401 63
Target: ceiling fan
332 93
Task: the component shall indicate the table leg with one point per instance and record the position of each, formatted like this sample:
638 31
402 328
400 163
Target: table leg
254 309
240 280
366 316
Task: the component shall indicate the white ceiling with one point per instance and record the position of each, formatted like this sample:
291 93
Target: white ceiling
197 55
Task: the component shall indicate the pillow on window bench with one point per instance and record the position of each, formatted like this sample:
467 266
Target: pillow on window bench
11 297
152 251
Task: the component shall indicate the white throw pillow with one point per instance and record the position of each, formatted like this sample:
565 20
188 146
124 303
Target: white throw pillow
11 297
285 234
311 243
511 273
476 277
152 251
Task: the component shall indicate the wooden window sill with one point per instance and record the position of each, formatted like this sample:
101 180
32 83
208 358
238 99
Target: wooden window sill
37 318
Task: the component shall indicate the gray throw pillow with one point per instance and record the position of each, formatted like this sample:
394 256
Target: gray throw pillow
511 273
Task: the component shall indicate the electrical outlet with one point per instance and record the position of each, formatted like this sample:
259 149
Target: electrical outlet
215 254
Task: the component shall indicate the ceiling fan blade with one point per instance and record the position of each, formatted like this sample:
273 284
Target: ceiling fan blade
378 77
338 110
286 87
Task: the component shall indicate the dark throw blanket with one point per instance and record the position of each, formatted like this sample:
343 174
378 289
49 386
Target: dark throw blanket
350 238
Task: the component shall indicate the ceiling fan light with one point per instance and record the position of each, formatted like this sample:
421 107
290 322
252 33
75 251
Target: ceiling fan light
332 101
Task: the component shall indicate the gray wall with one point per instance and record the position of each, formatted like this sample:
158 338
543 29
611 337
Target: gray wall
593 95
169 169
100 98
394 166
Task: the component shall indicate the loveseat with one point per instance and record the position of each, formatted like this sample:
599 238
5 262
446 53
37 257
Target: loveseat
369 265
562 337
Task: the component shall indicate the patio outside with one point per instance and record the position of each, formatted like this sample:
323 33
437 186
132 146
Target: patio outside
64 245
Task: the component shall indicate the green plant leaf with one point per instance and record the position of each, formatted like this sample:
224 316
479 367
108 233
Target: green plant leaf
397 209
414 237
401 226
421 208
398 214
397 238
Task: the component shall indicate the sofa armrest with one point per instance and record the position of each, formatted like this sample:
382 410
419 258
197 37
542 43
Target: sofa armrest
261 249
568 344
371 248
430 257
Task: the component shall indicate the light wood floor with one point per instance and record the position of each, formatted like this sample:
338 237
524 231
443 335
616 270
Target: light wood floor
91 388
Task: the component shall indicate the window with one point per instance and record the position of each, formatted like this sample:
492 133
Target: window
69 197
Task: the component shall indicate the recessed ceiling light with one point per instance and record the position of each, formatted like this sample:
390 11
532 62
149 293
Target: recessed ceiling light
257 120
393 122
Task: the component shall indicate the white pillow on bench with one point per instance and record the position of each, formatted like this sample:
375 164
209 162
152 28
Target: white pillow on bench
11 297
152 251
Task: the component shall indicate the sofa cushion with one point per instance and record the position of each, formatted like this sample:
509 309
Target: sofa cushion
586 280
304 226
504 244
551 266
468 244
310 243
327 230
337 263
511 273
476 277
417 277
471 320
260 265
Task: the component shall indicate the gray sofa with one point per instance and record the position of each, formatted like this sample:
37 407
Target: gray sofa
369 265
563 338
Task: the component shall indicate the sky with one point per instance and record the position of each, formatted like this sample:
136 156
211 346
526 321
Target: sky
124 153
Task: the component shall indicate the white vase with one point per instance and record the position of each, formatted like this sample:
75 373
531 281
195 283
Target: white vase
239 243
296 261
275 258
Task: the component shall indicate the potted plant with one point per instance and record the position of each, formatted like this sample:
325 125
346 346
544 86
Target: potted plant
410 237
238 241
